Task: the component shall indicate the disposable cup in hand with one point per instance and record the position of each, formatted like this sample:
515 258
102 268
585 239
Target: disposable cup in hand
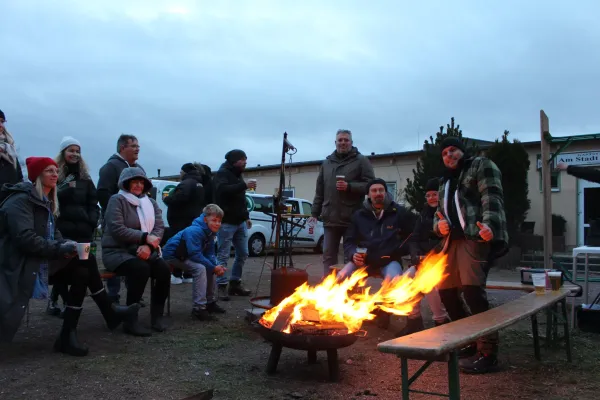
83 250
361 250
340 177
539 282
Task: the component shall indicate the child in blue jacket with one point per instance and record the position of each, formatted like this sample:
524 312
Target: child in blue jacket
193 250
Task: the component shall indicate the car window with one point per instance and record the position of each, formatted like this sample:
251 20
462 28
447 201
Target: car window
295 206
306 208
263 204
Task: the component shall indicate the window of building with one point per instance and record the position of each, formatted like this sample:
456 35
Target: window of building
554 181
392 188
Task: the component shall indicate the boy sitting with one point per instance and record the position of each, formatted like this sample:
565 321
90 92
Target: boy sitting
193 250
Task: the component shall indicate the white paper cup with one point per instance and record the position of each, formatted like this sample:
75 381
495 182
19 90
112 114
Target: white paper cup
361 250
340 177
83 250
539 283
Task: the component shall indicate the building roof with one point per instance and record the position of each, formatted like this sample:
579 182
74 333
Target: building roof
483 144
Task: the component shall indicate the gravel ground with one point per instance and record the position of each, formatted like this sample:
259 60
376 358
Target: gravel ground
229 357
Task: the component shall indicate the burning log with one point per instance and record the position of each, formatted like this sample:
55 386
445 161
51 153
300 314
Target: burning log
324 328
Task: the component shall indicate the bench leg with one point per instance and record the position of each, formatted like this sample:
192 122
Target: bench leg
453 376
548 327
536 337
405 383
563 305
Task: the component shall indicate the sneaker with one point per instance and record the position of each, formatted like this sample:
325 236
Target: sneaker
188 280
236 289
202 314
480 363
53 309
175 280
223 295
214 308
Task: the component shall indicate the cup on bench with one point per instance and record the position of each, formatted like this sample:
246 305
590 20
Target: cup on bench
555 279
539 283
83 250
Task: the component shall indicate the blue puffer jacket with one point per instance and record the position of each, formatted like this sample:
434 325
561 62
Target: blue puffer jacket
200 243
386 239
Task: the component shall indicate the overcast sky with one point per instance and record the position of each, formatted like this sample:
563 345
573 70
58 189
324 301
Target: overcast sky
194 79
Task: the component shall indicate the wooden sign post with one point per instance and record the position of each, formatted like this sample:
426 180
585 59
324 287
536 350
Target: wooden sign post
546 187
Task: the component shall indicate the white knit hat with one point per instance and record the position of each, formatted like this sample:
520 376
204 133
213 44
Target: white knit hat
68 141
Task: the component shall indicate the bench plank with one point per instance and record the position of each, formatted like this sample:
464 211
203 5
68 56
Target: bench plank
434 342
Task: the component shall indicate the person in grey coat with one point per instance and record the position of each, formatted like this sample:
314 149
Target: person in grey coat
131 246
341 189
32 250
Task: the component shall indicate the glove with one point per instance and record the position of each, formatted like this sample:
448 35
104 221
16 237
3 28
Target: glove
67 249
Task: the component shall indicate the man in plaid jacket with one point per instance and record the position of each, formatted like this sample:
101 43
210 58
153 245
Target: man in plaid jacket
471 217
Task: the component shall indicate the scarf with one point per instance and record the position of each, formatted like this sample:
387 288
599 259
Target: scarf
144 208
9 153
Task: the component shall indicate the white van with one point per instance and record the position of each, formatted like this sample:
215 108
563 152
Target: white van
262 236
160 190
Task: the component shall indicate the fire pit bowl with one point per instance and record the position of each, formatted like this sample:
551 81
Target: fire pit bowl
309 343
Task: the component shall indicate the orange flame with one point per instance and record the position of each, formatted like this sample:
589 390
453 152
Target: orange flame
334 304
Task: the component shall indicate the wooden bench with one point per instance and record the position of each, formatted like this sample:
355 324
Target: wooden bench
443 343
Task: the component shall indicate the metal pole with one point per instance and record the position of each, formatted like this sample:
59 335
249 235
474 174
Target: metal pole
546 187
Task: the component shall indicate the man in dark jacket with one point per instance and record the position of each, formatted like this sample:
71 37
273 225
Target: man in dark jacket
230 195
126 156
341 188
471 217
383 228
185 203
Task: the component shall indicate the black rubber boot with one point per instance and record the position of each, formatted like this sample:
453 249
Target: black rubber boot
67 341
133 327
113 313
236 289
157 319
222 292
413 325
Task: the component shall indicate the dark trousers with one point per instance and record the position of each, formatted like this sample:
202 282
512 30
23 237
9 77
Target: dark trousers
468 269
79 275
331 247
138 271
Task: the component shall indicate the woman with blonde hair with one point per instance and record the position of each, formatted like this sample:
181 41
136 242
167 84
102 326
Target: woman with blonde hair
78 207
10 169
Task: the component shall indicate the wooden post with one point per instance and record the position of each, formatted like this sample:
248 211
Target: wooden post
546 188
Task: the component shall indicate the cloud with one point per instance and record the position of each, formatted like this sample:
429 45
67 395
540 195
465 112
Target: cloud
193 79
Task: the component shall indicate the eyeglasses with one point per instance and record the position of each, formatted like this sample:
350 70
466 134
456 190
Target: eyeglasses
51 171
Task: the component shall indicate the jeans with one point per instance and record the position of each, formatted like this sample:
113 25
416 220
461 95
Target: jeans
238 236
204 285
331 246
390 271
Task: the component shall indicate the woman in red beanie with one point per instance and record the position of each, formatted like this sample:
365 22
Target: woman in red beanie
29 240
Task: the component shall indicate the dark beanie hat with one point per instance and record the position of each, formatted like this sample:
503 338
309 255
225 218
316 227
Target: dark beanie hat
2 115
376 181
453 141
187 167
234 156
432 184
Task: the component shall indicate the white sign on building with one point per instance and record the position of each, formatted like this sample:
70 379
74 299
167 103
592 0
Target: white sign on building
579 158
